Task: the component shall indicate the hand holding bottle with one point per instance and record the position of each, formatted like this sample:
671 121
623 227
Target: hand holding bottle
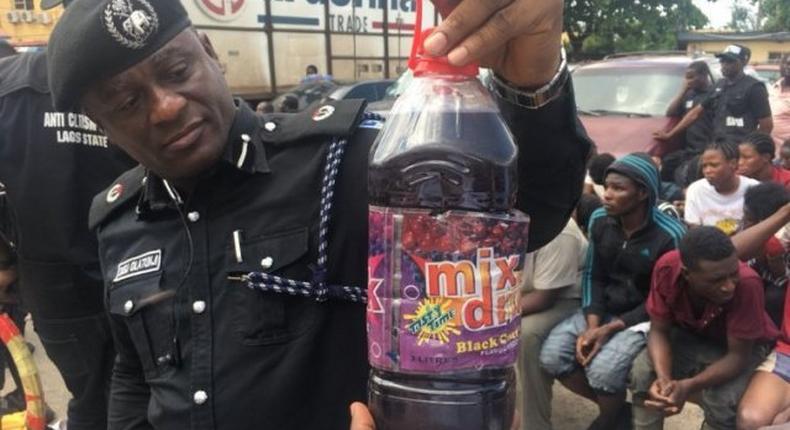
518 39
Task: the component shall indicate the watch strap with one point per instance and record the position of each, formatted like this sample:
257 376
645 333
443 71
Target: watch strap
532 99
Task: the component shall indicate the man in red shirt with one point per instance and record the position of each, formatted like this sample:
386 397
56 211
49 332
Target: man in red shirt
709 331
757 153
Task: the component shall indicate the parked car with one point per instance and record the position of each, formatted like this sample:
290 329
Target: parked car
770 73
371 91
383 106
623 99
306 94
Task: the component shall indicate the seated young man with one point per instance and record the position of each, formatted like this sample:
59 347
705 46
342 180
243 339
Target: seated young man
772 260
550 292
767 399
708 331
591 351
717 199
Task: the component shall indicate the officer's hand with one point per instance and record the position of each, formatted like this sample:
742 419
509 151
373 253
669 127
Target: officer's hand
361 418
518 39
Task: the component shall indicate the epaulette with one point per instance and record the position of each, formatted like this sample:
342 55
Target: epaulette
25 70
122 190
338 118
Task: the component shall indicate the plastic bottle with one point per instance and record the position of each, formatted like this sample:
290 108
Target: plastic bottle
445 251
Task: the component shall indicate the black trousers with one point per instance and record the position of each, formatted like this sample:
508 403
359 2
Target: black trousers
82 350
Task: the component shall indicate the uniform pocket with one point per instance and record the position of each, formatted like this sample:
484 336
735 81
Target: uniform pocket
270 318
147 311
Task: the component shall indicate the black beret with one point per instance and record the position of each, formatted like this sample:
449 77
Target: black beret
98 39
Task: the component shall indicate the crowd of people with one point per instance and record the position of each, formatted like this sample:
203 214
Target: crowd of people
675 286
666 278
139 300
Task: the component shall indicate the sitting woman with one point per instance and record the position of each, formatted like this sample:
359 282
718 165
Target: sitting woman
767 399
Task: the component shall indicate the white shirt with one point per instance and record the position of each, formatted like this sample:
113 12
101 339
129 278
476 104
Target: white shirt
558 264
706 206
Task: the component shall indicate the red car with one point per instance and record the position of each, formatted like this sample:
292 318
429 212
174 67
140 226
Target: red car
623 99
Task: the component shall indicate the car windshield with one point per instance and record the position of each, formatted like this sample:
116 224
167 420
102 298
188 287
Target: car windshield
307 93
637 91
397 88
770 76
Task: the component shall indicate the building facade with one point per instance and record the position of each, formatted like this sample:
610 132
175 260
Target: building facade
23 24
766 47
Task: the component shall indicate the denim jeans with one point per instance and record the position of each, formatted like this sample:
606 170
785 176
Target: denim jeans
608 370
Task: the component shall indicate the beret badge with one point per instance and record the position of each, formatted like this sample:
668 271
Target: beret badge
131 22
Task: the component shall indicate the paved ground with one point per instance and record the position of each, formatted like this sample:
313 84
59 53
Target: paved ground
570 411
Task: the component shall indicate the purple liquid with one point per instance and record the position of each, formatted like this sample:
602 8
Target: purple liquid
484 400
454 172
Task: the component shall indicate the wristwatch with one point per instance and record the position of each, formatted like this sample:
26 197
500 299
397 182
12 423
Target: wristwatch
532 99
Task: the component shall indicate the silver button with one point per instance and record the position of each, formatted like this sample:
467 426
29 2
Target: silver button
200 397
145 180
128 306
193 216
270 126
267 262
198 306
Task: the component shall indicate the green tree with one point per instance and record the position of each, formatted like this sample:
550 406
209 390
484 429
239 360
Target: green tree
597 27
743 17
776 14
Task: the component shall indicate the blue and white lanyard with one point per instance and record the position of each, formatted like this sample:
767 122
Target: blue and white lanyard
318 289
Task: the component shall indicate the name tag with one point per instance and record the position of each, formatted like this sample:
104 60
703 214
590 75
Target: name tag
148 262
734 122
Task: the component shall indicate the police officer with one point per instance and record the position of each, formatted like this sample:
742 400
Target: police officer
222 192
697 87
738 105
52 163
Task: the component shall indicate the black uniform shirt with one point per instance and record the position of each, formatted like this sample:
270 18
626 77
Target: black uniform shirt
737 106
52 164
246 359
699 133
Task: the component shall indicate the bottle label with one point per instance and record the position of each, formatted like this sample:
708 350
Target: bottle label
443 290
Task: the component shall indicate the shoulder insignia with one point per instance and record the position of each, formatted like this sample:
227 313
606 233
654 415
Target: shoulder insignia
332 118
122 190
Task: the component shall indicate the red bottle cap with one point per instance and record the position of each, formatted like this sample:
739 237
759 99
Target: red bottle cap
422 64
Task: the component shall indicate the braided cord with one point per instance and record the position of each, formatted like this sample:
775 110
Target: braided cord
318 289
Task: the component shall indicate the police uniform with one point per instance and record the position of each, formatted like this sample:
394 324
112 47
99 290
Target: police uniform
737 107
197 347
698 133
52 164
